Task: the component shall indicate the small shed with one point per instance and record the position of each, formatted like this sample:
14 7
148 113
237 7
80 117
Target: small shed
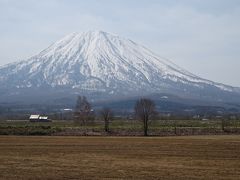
44 119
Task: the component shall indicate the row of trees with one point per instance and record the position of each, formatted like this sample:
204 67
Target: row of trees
144 111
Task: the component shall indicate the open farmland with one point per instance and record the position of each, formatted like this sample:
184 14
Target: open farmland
192 157
121 128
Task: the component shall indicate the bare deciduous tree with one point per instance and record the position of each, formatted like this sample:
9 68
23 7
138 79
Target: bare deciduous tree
144 110
83 110
107 116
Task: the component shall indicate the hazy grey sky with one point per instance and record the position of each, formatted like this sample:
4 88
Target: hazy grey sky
202 36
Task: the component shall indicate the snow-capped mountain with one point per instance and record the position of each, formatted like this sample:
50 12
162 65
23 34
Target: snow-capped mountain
97 61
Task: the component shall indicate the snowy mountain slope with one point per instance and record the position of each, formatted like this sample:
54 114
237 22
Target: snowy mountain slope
97 61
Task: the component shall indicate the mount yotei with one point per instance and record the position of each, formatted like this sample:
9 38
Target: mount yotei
103 66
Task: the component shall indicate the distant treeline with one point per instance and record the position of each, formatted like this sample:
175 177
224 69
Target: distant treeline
57 111
119 116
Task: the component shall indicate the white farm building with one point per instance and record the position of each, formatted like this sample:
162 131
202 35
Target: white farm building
38 118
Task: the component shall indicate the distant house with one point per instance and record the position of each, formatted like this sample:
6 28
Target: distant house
38 118
34 118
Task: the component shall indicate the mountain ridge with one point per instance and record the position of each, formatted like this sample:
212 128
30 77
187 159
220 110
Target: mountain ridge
97 61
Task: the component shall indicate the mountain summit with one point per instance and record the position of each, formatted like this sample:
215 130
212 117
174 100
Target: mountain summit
100 62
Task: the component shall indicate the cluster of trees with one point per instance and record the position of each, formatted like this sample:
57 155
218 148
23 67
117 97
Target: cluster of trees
144 109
